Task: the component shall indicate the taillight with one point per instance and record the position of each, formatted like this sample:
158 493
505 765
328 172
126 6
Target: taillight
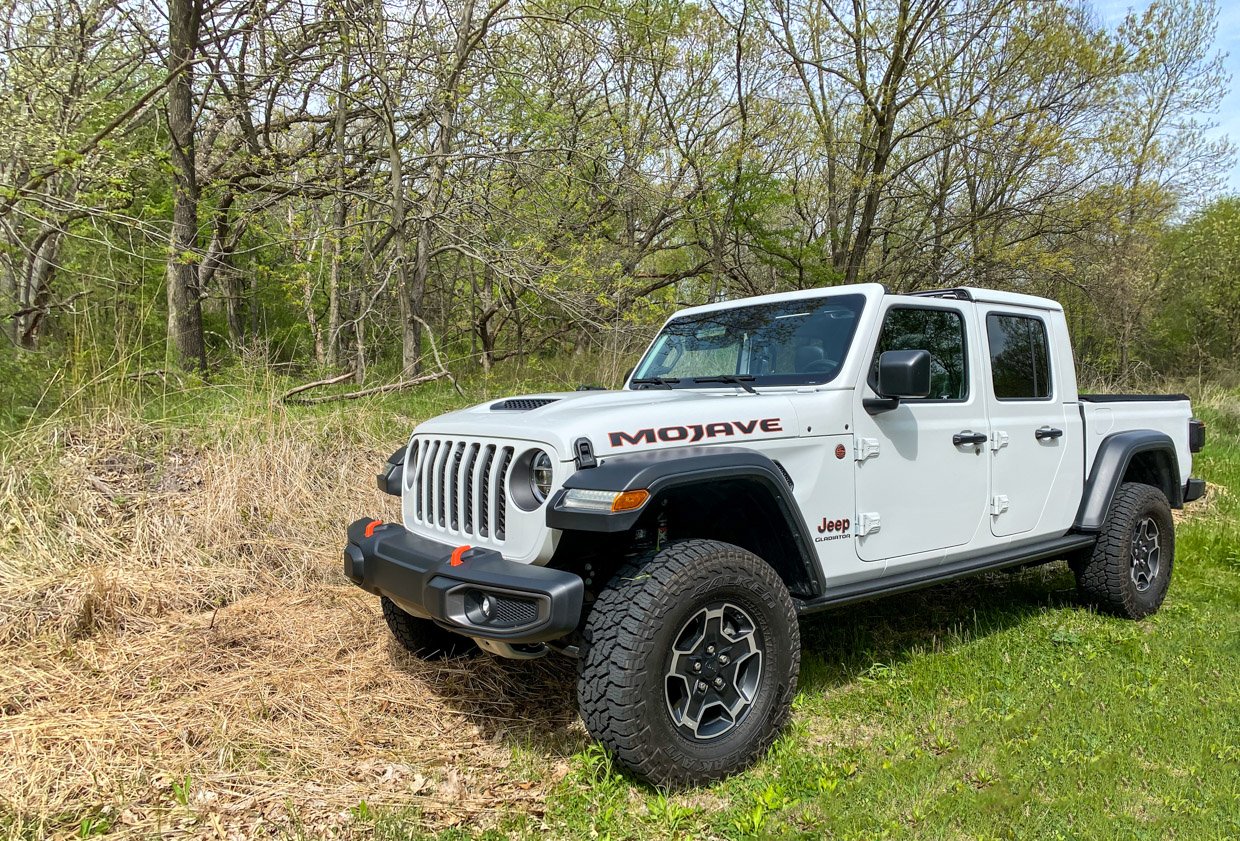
1196 435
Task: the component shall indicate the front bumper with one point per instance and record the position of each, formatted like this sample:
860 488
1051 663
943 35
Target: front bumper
475 592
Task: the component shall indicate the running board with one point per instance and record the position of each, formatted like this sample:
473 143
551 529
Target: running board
918 578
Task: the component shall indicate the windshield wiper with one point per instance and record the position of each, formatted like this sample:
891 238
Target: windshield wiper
730 379
666 382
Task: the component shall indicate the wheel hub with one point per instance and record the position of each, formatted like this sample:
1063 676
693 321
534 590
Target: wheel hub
1146 554
714 670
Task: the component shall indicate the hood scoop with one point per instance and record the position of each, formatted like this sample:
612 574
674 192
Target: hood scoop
521 404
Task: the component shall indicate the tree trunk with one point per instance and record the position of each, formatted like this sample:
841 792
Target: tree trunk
42 266
340 208
186 343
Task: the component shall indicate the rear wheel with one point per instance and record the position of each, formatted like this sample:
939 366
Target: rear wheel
422 637
1129 570
689 662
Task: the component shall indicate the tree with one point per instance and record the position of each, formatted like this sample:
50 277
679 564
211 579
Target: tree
186 343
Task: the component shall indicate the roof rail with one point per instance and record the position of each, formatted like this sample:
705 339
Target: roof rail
958 293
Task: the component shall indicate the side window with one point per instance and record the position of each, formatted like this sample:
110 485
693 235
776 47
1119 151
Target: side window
941 332
1019 357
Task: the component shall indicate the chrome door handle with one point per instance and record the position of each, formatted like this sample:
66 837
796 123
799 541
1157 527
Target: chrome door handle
968 436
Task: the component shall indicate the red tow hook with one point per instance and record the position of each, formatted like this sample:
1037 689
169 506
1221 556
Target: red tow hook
370 528
458 556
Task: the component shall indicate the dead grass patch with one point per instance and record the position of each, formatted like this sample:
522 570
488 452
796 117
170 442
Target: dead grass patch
280 711
178 653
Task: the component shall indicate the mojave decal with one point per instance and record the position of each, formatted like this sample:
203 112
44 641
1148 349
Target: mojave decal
695 431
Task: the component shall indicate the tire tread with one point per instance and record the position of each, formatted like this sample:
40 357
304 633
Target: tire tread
1103 580
613 654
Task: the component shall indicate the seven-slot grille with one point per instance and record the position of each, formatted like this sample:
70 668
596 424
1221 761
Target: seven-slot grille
460 486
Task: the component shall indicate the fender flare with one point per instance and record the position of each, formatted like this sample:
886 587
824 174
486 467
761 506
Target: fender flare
1111 464
659 471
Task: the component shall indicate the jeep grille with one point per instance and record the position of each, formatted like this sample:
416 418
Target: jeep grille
459 486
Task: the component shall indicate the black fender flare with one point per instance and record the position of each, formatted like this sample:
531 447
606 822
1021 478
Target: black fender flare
658 471
1115 454
392 473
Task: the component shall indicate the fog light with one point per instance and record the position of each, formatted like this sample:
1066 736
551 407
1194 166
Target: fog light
479 607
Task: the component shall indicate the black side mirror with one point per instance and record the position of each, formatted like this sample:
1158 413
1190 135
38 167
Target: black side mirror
901 373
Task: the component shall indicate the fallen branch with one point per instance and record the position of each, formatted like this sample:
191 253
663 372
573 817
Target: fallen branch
366 392
142 375
442 373
330 381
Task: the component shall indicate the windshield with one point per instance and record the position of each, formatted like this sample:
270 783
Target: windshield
801 342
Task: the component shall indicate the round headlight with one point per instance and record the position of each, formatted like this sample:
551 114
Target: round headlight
540 475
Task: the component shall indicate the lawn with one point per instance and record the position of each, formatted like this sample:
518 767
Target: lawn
178 655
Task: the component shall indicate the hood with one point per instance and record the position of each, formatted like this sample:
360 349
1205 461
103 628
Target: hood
625 421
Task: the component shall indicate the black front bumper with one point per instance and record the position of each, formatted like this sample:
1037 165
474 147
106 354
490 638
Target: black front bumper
475 592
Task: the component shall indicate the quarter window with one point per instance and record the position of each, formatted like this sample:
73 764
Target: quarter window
941 332
1019 357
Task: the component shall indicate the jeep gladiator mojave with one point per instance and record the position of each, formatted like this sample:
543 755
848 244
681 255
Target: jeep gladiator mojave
768 458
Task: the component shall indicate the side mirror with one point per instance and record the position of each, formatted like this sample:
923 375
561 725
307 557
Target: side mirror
901 373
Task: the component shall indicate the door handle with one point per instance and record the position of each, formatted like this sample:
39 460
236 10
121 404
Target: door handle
1048 432
968 436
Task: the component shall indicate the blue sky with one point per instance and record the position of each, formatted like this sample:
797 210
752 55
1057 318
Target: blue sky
1226 40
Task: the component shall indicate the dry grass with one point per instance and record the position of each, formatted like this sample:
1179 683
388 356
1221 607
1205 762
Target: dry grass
178 653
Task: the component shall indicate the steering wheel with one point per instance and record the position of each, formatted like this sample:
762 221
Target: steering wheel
821 366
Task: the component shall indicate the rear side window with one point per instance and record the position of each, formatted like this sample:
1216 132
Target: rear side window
1019 357
941 332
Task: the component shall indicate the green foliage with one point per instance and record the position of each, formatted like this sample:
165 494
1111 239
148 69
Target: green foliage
1196 331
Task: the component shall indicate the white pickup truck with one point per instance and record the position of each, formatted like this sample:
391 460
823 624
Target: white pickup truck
769 458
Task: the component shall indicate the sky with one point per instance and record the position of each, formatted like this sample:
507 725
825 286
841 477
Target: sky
1226 40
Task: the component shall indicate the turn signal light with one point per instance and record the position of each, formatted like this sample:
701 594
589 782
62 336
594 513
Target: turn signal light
630 500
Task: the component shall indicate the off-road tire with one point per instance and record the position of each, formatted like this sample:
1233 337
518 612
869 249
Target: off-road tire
422 637
623 683
1106 580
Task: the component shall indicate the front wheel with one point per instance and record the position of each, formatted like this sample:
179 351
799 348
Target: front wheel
689 663
1129 570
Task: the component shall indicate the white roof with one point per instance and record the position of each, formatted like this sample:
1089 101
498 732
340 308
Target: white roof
868 289
874 290
1015 299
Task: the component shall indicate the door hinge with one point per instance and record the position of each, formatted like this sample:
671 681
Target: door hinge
999 441
998 504
863 448
868 523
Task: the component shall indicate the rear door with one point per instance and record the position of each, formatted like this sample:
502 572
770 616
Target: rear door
921 468
1035 441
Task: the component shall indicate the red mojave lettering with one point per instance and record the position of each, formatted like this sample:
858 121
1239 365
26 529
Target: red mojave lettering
695 431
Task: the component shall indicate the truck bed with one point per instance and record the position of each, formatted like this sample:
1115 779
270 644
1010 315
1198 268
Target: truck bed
1104 414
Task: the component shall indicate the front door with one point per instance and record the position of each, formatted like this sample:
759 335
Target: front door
921 470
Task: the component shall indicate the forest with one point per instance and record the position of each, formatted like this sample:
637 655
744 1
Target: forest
331 187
